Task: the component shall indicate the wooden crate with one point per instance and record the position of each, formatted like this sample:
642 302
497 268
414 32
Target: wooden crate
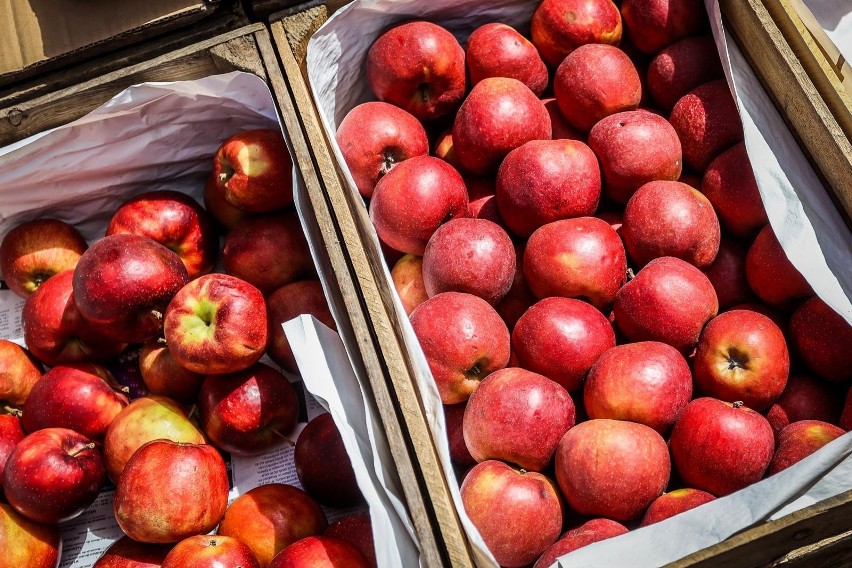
816 536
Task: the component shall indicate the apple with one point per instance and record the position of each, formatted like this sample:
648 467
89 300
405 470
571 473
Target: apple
669 300
463 339
518 417
670 218
57 333
128 553
26 543
407 277
800 439
499 115
654 24
822 338
730 186
35 250
19 373
444 149
591 531
412 200
163 376
80 397
170 491
123 283
517 513
594 81
772 276
454 420
323 466
248 412
268 251
419 67
498 50
474 256
612 468
143 420
481 193
646 382
254 171
320 551
519 297
357 530
374 137
727 274
721 447
226 215
545 181
558 27
210 551
561 338
286 303
559 127
271 517
635 147
10 434
673 503
579 258
804 398
176 221
216 324
682 66
52 475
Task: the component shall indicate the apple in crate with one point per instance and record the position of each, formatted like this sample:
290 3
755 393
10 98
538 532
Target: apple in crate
805 398
498 50
319 445
558 27
216 324
254 171
730 186
320 552
19 372
591 531
454 419
26 543
727 274
52 475
226 215
673 503
10 434
799 440
210 551
822 338
164 376
771 274
407 276
357 530
682 66
653 24
35 250
128 553
286 303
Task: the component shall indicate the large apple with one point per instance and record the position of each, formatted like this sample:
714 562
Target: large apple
682 66
464 340
254 171
418 66
19 373
286 303
163 375
128 553
799 440
805 398
52 475
560 26
771 274
123 283
673 503
517 416
518 513
498 50
591 531
210 551
374 137
653 24
216 324
822 338
407 276
323 466
730 186
27 543
357 530
176 221
320 551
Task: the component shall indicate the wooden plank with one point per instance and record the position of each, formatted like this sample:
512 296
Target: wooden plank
799 101
832 552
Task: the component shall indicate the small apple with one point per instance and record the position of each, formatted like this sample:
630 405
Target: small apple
320 551
19 373
654 24
407 276
727 274
498 50
730 186
519 297
10 434
357 530
210 551
26 543
322 465
682 66
822 338
772 276
286 303
454 419
560 129
673 503
805 398
591 531
163 376
799 440
226 215
558 27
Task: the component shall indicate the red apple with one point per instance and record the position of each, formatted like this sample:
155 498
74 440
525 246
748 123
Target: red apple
226 215
128 553
210 551
804 398
174 220
164 376
248 412
799 440
498 50
612 468
19 373
463 339
320 551
517 416
646 382
546 181
822 339
323 466
374 137
561 338
454 418
254 171
474 256
80 397
10 434
635 147
519 297
26 543
216 324
271 517
558 27
594 81
52 475
481 193
579 258
357 530
673 503
682 66
591 531
654 24
781 319
143 420
444 148
727 274
286 303
123 283
517 513
730 186
669 301
414 199
268 251
499 115
721 447
771 275
407 276
559 127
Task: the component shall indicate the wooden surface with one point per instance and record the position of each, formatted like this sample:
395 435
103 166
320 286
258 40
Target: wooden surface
433 513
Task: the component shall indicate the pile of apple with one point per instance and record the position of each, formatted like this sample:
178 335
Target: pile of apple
137 328
575 230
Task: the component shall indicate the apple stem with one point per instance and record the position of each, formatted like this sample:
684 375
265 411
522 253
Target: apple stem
124 390
192 410
738 404
630 274
158 315
89 446
13 411
161 341
283 437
